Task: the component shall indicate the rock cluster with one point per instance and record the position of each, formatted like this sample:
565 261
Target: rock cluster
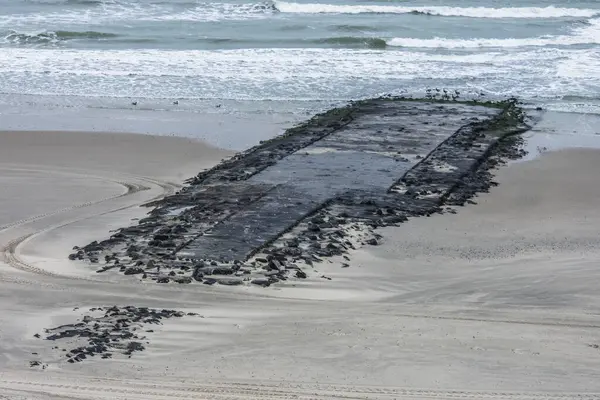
108 330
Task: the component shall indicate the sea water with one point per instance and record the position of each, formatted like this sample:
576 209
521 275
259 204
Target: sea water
156 65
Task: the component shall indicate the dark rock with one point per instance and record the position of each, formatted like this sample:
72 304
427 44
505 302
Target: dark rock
372 242
133 271
94 246
300 274
209 281
222 270
230 281
197 274
314 228
163 279
261 282
134 346
275 265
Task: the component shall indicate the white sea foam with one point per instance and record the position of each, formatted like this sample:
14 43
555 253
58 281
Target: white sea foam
124 12
589 34
104 12
283 73
475 43
216 12
584 67
474 12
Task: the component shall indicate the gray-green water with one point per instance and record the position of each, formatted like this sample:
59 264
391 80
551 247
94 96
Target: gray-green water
264 57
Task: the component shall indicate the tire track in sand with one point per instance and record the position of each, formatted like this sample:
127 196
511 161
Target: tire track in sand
114 390
9 252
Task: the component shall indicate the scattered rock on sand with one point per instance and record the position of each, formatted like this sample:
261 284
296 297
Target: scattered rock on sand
133 271
114 330
261 282
230 281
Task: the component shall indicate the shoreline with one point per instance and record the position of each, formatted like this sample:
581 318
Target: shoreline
220 124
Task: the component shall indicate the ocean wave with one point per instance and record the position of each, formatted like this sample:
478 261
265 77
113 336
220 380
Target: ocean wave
473 12
119 11
580 98
51 37
73 2
352 41
356 42
354 28
217 12
582 35
476 43
89 2
288 73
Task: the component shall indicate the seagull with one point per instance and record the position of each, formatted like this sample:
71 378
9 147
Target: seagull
134 103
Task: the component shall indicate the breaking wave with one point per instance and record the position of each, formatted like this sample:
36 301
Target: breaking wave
74 2
475 43
588 34
46 37
473 12
351 41
118 11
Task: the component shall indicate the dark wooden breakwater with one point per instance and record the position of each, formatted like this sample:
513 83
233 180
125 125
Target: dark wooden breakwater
319 190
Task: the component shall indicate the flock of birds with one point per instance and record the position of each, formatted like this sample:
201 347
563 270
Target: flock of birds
176 102
434 93
431 94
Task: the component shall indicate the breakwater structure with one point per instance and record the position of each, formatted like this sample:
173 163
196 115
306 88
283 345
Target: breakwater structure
319 190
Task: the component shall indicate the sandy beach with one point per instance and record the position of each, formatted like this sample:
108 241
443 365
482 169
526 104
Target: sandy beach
497 301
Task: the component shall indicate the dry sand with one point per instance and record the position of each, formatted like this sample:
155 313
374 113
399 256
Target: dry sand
497 301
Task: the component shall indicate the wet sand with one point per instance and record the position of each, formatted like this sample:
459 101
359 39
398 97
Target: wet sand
497 301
